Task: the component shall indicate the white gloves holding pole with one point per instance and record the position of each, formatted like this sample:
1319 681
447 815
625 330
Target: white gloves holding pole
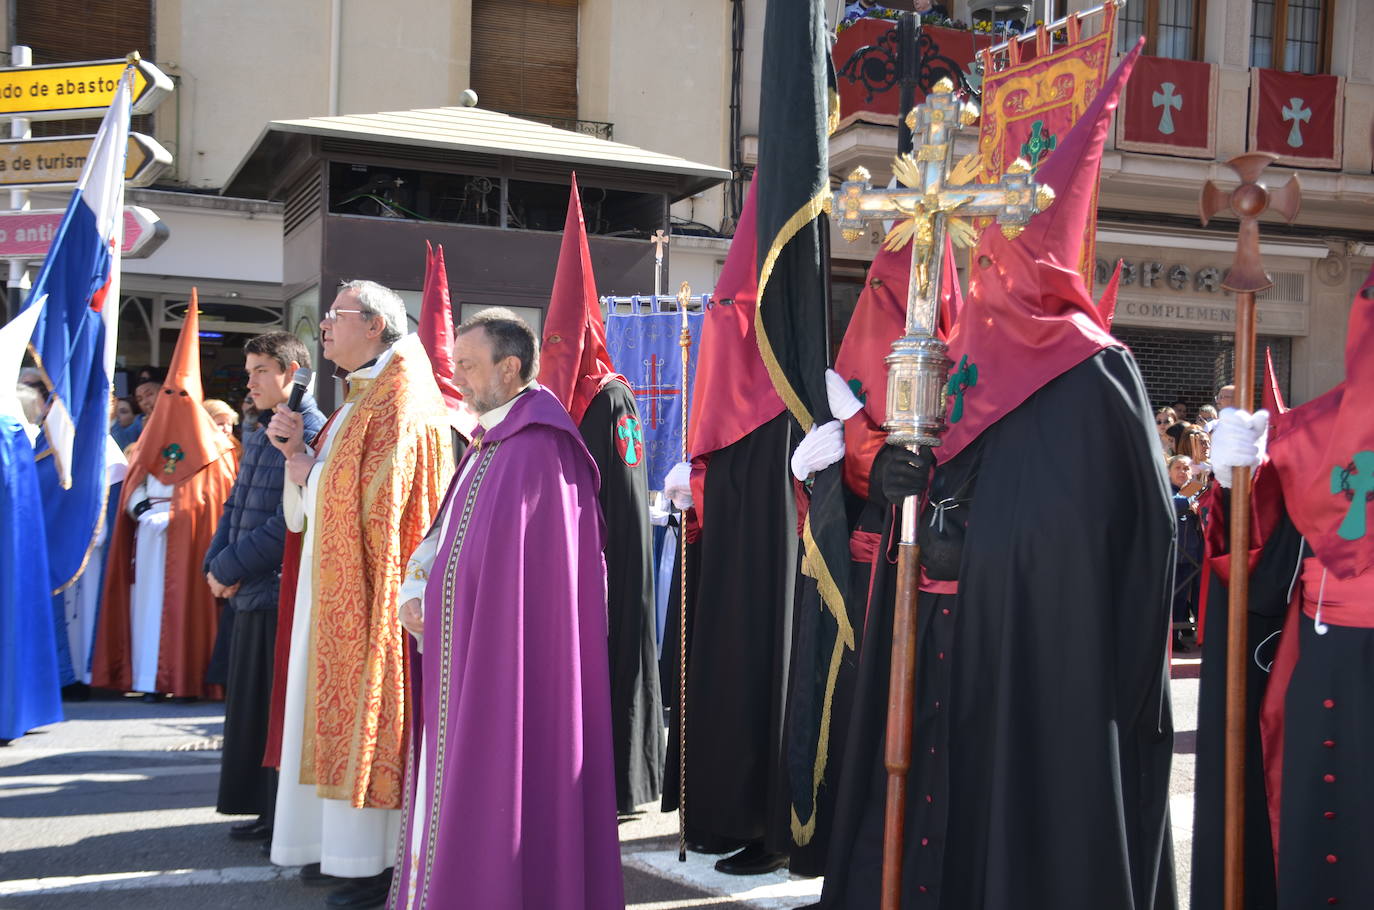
677 486
1238 441
824 443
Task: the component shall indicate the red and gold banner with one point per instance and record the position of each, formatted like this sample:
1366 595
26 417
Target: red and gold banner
865 56
1297 117
1170 108
1029 103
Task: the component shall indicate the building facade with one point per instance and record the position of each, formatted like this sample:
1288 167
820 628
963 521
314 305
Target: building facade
685 79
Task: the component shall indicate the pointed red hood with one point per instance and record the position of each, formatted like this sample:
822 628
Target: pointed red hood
1272 396
180 438
1106 304
1324 453
436 334
1029 317
732 395
573 362
880 319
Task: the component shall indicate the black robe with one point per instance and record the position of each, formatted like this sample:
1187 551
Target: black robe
1326 837
741 576
636 703
1269 584
1043 733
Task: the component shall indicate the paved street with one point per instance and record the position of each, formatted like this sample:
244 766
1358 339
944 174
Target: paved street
114 809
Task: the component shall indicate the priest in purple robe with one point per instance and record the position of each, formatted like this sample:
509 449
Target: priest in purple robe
511 794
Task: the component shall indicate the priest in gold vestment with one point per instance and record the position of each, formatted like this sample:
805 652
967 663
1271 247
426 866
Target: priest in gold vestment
363 496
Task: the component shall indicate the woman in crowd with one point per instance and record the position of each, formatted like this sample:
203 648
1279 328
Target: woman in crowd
127 423
1164 419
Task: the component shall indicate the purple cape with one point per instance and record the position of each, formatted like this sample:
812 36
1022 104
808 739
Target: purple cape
518 798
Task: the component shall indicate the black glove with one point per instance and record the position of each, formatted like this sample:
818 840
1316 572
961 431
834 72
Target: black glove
899 472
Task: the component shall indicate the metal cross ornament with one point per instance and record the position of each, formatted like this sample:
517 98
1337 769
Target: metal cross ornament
937 198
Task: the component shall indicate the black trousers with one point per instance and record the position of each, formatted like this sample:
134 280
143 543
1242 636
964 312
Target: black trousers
245 786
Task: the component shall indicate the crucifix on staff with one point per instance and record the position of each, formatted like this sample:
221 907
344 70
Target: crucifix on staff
936 199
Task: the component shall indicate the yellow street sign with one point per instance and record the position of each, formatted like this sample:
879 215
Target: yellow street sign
58 162
68 90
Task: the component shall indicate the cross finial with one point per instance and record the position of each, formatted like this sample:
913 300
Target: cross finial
659 240
1248 201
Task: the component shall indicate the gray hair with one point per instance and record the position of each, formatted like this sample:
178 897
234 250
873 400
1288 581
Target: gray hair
510 336
31 400
376 300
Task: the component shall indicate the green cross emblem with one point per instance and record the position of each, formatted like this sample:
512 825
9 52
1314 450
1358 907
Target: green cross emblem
858 389
1356 482
1039 144
963 378
632 435
173 453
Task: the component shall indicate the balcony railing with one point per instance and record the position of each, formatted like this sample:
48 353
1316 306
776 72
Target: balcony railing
595 128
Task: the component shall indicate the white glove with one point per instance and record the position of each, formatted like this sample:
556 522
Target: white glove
1238 441
822 447
677 486
843 403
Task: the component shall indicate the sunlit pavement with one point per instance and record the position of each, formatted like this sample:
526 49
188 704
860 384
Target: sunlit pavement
114 809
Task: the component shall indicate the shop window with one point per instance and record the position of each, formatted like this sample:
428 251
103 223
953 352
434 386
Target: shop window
1172 28
1291 35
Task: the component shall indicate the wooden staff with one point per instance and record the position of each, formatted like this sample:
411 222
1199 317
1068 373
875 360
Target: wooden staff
1246 277
901 704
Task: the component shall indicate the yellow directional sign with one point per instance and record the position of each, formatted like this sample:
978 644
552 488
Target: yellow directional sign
31 163
67 90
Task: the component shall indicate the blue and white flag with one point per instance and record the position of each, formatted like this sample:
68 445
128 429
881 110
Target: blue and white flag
646 351
74 344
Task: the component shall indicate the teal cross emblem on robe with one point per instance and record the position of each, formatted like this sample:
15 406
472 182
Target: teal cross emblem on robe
963 378
1356 481
629 440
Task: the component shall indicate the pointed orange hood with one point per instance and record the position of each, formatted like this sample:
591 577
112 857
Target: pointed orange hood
180 439
573 362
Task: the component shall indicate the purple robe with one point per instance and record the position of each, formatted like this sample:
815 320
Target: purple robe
518 792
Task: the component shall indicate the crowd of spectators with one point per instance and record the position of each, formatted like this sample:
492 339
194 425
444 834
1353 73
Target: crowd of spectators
1186 445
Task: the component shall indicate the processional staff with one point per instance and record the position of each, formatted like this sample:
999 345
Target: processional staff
937 197
1246 277
684 297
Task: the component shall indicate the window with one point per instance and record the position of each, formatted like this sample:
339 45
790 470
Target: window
1172 28
1291 35
524 56
106 31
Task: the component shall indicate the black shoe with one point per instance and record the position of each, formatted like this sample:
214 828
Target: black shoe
257 829
362 892
752 860
711 844
151 698
185 699
77 691
311 875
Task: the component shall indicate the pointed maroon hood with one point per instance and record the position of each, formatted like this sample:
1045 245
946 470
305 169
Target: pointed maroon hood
1324 453
880 319
1106 304
436 334
1272 396
1029 317
573 361
732 394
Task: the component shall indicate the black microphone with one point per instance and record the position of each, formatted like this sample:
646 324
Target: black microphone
299 383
